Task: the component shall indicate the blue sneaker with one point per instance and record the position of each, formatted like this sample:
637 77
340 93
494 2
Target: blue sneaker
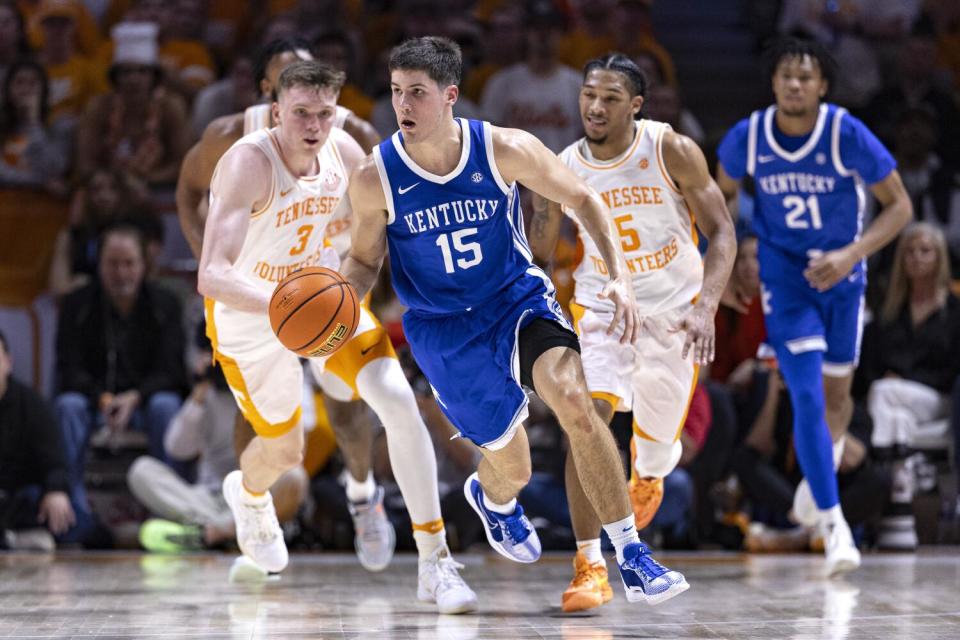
511 536
645 579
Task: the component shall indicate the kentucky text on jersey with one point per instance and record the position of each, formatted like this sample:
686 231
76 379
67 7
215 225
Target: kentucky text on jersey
446 214
312 206
793 182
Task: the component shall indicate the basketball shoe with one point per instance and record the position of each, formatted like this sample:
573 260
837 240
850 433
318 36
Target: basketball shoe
374 537
164 536
645 579
439 581
842 554
512 536
589 588
646 494
258 533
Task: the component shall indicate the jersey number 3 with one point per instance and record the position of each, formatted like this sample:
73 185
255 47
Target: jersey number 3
303 235
798 207
473 248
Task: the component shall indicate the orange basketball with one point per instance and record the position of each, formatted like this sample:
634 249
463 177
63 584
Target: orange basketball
314 311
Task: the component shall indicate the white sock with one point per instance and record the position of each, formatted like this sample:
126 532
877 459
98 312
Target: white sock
506 508
428 542
622 533
383 386
838 451
360 491
591 550
833 515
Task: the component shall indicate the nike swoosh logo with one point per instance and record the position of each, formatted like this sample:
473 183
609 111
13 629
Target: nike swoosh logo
625 529
364 352
765 158
403 190
284 193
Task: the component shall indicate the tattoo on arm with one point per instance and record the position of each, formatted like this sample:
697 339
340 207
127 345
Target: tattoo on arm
541 215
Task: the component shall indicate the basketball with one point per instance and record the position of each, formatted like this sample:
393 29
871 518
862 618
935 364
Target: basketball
314 311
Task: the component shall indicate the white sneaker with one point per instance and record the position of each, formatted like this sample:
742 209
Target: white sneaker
805 510
374 537
440 582
258 532
842 554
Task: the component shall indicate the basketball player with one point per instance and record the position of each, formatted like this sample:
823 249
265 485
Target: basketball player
482 319
375 538
272 195
810 161
659 190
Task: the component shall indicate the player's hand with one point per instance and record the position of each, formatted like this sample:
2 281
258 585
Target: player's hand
698 323
735 295
620 292
56 512
827 269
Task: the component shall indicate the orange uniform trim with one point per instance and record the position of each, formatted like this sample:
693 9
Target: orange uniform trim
432 527
640 433
577 311
662 165
611 398
231 371
626 156
358 352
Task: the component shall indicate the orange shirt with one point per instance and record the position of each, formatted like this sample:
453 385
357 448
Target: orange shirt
88 36
73 84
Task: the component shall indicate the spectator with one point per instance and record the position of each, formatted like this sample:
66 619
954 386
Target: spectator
109 197
232 94
137 126
539 95
663 103
35 154
203 428
502 44
336 49
120 347
739 333
13 41
88 33
911 361
74 78
36 505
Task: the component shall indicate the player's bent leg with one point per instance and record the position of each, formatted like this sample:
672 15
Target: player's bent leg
558 379
353 427
492 491
652 461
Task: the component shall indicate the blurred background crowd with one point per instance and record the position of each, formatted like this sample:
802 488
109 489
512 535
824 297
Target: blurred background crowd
106 387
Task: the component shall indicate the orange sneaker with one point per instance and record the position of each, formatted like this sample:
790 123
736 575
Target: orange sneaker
646 494
589 588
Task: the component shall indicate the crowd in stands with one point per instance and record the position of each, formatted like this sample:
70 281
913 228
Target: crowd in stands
100 101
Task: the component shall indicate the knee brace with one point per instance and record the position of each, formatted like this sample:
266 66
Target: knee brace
656 459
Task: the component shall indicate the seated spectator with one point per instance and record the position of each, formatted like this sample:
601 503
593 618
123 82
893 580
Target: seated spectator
34 154
88 33
766 466
74 78
37 508
663 103
109 197
13 40
234 93
911 361
137 127
336 49
502 44
120 348
740 331
203 428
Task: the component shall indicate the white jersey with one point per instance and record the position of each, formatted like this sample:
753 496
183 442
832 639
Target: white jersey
656 227
287 233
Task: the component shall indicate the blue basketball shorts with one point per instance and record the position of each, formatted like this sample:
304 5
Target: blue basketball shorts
472 359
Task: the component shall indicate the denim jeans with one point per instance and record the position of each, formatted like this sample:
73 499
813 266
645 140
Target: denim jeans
21 508
78 418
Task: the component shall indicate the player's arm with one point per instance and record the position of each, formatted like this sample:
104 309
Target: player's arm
361 131
196 172
686 165
241 186
368 238
544 229
826 270
729 188
521 157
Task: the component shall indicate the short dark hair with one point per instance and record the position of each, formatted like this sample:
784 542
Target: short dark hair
123 228
618 62
273 49
792 47
309 73
439 58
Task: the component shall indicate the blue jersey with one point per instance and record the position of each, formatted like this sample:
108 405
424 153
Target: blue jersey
455 240
809 190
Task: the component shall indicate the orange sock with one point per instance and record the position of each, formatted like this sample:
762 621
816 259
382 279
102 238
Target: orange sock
255 494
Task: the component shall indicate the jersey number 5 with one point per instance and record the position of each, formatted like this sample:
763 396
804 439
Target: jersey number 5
461 247
798 207
303 235
629 238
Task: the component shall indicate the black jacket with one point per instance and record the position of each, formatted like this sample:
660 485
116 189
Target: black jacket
31 444
98 351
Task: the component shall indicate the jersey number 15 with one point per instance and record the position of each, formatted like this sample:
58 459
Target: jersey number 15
473 248
798 208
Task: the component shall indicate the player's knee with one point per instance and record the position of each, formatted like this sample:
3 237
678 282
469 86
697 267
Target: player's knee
283 453
519 475
656 459
571 404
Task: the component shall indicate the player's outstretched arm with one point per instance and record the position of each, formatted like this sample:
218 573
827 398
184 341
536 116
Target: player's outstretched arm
368 239
521 157
242 185
688 168
544 229
826 270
